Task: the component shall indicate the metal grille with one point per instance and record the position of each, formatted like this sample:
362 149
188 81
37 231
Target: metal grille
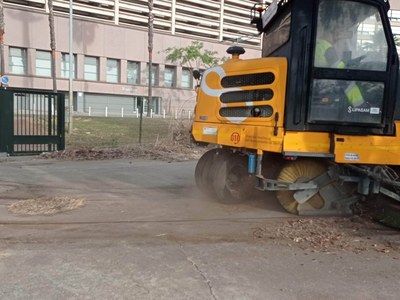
247 111
246 96
34 148
249 79
35 114
31 122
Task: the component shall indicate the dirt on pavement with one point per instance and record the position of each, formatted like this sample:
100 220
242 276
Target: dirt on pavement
332 235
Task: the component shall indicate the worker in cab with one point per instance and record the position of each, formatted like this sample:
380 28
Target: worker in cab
326 57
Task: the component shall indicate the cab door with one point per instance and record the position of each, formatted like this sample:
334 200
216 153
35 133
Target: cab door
354 69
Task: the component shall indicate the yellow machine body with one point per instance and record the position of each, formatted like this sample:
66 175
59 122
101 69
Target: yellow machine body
267 133
316 119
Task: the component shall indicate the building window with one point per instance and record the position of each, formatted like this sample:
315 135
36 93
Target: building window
154 75
137 101
133 70
43 63
187 81
17 61
112 70
91 69
169 77
65 65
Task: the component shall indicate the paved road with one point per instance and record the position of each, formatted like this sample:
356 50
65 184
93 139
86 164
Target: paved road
147 233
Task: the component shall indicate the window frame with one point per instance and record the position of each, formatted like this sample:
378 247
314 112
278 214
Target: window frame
190 86
64 68
172 80
23 59
43 71
133 79
278 34
86 65
155 75
113 77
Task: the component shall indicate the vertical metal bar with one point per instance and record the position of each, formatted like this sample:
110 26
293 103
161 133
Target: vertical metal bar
15 115
6 120
71 64
33 100
26 118
19 104
37 116
49 96
29 114
25 127
54 114
61 120
34 115
40 114
53 107
20 114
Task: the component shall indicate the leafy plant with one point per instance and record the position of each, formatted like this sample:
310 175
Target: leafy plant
193 56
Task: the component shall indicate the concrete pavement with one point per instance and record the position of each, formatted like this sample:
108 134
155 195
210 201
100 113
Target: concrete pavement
147 233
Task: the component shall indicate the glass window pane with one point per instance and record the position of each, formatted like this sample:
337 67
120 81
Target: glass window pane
91 68
277 34
17 61
154 75
43 63
186 81
112 70
133 72
340 100
65 65
169 77
350 40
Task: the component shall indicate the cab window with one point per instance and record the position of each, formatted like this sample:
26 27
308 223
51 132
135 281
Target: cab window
277 34
349 36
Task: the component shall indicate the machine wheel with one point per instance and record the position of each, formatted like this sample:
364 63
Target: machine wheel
301 170
385 210
201 170
231 180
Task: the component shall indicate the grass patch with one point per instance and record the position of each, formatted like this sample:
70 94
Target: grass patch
101 132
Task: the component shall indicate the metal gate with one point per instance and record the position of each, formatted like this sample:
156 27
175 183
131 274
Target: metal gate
31 121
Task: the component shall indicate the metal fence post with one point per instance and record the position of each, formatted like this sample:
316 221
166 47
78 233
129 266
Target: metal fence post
61 121
6 120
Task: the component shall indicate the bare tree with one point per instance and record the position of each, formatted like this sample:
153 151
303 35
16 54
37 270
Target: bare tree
52 45
2 67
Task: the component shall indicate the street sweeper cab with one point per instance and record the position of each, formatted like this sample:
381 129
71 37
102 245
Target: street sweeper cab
315 118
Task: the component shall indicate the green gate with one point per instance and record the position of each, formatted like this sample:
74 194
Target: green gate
31 122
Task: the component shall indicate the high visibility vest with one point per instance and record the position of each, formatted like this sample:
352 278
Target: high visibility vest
320 56
354 95
352 91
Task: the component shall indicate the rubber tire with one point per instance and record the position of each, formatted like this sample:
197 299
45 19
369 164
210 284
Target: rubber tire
385 211
202 167
232 182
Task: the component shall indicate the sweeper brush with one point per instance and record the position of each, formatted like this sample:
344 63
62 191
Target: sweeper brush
299 172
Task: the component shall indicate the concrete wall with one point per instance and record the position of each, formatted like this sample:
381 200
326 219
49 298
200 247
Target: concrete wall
30 29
